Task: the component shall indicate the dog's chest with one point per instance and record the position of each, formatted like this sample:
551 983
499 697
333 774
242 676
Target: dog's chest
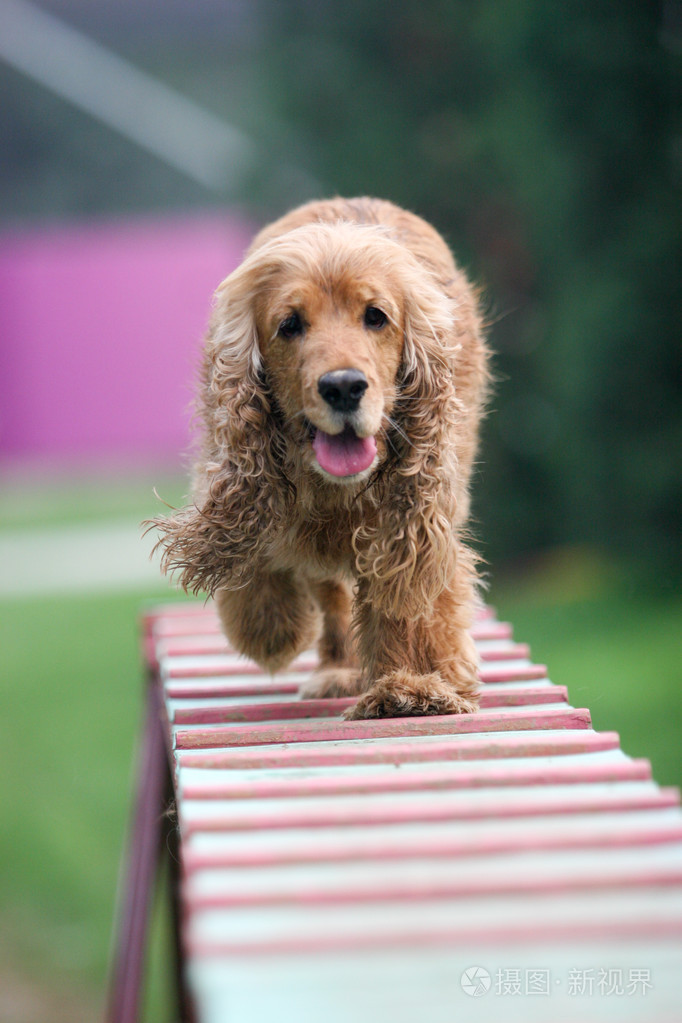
320 545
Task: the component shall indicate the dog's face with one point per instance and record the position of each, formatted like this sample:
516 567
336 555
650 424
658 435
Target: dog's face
334 318
332 346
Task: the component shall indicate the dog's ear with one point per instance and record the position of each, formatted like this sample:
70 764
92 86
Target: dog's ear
239 484
405 557
233 399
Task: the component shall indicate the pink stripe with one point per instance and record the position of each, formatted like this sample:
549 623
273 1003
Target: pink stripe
262 686
435 779
199 644
398 752
441 847
450 888
189 684
491 630
167 617
230 667
408 811
382 728
468 934
328 708
217 667
528 673
510 652
252 712
176 627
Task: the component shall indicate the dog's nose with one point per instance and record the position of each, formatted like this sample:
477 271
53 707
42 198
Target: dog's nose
343 388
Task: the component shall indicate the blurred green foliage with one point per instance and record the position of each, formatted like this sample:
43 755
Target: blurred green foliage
545 142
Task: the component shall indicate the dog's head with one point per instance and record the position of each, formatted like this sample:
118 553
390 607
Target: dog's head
332 333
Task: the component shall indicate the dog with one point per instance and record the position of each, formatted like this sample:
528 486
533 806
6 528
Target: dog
344 378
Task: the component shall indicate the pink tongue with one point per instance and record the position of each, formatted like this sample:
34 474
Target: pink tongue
344 454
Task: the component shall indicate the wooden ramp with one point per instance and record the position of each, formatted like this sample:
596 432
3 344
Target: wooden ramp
513 864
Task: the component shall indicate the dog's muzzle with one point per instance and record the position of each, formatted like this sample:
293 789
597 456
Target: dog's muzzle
343 454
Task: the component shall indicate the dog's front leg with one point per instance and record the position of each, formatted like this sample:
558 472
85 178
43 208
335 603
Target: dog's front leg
272 619
427 665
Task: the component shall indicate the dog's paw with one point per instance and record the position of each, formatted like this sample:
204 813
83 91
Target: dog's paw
405 694
330 682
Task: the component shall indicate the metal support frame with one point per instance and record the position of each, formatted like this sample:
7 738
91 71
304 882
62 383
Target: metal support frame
153 837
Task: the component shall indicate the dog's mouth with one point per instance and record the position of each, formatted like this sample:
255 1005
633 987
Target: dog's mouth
343 454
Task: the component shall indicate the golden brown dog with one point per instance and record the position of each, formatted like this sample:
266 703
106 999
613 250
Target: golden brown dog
343 381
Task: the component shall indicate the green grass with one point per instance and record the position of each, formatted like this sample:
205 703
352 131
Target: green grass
615 641
73 698
72 702
72 695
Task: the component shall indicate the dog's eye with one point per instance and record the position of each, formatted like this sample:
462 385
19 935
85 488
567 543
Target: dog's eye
374 318
291 327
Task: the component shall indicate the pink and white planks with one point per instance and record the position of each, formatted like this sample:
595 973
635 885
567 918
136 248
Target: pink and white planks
513 864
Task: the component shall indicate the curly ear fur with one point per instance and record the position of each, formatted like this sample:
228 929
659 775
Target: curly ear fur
406 553
238 478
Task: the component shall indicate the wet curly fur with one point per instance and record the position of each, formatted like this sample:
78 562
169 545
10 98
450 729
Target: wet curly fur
371 564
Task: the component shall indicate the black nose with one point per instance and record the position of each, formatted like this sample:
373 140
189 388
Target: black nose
343 388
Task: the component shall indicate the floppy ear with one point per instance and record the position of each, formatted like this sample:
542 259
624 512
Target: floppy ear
239 486
406 556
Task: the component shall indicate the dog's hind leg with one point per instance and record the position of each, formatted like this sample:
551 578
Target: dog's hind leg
272 619
335 645
339 672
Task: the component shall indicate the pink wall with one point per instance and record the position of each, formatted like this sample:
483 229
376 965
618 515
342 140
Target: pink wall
100 328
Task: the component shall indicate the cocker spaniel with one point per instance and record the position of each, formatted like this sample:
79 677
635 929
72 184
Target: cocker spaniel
343 381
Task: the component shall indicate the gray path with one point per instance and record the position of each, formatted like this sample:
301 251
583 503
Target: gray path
87 557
